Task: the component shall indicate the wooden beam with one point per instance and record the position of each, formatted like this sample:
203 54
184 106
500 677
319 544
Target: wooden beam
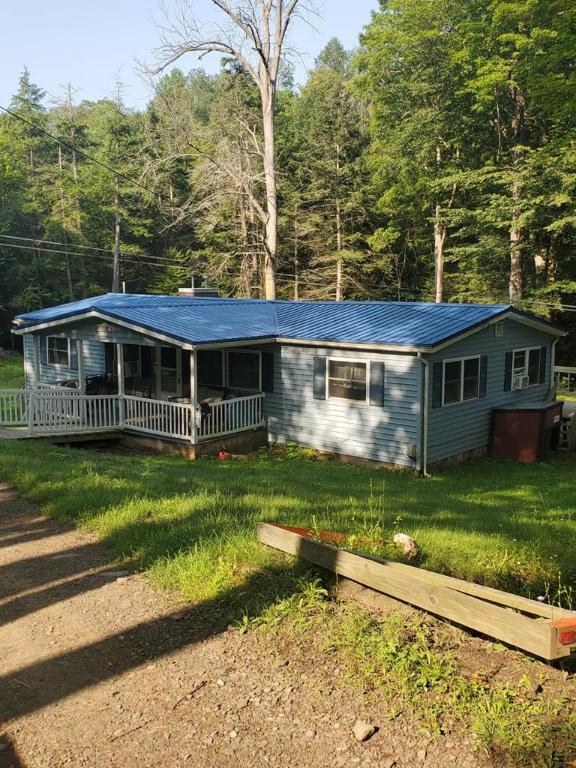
519 603
531 634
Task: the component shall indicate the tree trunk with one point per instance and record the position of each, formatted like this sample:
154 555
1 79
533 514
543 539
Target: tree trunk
296 261
339 270
116 265
515 284
270 232
439 241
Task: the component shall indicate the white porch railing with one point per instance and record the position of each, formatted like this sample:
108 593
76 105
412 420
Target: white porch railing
65 413
565 378
14 407
228 416
61 411
158 417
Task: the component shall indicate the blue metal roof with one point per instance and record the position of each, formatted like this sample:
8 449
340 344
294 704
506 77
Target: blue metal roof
202 320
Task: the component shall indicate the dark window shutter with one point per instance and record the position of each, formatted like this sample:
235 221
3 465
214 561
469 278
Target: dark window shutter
483 376
267 371
109 357
437 382
508 372
543 355
320 378
73 347
376 396
43 350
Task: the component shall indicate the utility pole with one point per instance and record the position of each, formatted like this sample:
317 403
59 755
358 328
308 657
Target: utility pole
116 272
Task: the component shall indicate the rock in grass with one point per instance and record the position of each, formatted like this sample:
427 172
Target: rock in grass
406 544
362 730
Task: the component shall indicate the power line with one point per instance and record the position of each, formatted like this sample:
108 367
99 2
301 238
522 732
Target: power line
167 260
88 255
80 152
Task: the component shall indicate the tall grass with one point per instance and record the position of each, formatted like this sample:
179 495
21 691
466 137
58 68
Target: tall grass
192 526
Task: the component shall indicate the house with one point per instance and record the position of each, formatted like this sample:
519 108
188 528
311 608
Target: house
408 384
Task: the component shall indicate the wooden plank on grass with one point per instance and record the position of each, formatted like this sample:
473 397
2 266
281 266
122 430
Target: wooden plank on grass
519 603
532 635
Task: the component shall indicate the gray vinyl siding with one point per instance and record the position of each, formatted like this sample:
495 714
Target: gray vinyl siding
461 427
94 335
344 426
94 362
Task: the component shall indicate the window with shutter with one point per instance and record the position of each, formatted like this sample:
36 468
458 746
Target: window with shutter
347 379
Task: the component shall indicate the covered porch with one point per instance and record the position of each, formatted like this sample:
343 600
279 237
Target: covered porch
148 388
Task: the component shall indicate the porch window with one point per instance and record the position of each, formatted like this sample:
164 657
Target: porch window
132 360
244 370
169 369
57 351
347 379
461 380
211 368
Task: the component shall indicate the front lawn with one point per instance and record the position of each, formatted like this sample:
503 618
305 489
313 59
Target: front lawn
192 526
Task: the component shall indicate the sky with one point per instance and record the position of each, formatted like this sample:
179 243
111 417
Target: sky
88 44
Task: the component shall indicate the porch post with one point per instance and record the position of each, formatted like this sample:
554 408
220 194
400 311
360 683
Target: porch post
36 340
120 374
81 376
193 396
158 371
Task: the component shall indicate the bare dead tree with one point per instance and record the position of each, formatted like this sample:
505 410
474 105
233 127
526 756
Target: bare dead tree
253 33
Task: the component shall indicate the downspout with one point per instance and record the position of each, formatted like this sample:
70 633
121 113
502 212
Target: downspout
424 416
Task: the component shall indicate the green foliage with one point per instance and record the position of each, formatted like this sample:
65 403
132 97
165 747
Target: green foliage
11 370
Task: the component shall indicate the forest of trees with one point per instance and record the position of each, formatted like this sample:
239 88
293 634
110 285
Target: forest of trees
435 162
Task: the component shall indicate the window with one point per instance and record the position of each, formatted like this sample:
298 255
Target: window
211 368
525 367
57 351
461 380
132 360
347 379
244 370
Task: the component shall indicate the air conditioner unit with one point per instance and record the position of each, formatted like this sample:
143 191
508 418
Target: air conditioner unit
520 381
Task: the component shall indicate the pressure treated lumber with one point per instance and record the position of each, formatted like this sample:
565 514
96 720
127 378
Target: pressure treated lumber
524 604
534 635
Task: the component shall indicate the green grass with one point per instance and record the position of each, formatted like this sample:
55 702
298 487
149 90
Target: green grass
11 370
192 526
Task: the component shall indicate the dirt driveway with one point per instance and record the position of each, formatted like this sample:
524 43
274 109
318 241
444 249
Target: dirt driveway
99 669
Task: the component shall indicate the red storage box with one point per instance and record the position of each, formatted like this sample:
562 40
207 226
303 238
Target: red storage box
526 432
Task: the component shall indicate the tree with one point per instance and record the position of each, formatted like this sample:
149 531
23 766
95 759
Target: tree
330 205
254 37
